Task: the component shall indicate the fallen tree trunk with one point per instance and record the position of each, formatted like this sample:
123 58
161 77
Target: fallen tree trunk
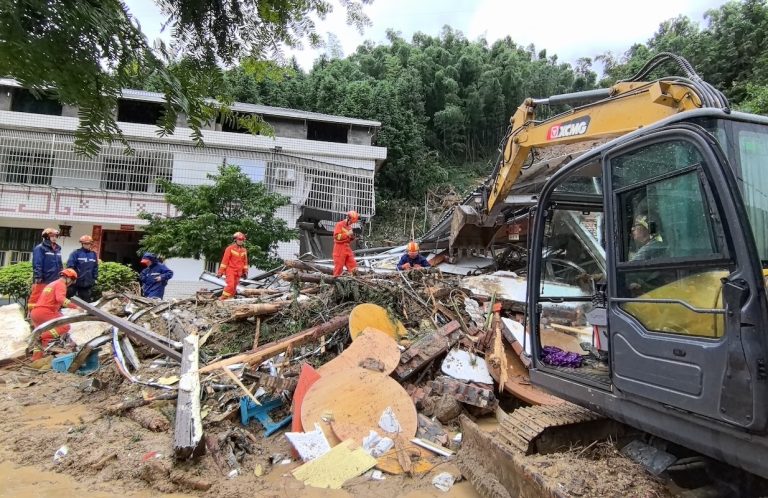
301 265
248 292
276 347
188 434
259 309
307 277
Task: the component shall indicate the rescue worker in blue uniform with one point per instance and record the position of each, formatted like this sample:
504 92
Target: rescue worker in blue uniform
46 264
85 262
412 260
154 277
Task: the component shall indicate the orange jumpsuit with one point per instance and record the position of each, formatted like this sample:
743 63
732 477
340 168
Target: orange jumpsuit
342 253
48 307
234 264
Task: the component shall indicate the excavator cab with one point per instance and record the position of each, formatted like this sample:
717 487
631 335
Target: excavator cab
676 326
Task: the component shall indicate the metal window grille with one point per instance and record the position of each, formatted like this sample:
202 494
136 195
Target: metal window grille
20 257
19 239
2 258
49 161
211 266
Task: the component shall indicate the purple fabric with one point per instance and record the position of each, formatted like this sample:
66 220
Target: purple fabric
559 358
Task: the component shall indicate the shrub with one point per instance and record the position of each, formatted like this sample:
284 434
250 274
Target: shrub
113 277
16 281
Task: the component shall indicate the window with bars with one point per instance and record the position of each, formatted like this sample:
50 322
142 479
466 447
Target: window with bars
19 239
211 266
135 173
20 257
30 167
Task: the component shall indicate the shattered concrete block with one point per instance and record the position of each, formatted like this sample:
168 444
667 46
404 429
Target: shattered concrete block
470 394
426 349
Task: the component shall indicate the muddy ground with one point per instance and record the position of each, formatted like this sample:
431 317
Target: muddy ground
113 455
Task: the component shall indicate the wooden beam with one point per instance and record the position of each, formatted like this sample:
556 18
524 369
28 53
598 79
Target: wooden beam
188 433
276 347
134 331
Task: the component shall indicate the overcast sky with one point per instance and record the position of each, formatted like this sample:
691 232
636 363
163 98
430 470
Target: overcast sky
568 28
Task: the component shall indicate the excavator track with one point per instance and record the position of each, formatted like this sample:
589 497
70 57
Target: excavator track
548 428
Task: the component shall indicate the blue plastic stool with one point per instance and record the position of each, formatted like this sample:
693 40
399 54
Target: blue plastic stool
250 410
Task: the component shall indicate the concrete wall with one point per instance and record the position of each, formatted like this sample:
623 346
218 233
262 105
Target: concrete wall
5 98
359 136
288 128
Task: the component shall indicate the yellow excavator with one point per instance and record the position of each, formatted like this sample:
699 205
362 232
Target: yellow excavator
673 185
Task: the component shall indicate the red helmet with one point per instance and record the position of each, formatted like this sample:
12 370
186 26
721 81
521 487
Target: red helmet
238 236
86 239
69 273
353 216
412 247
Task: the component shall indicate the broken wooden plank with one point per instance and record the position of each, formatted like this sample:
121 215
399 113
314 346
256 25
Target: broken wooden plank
426 349
188 433
276 347
242 387
86 351
248 292
271 383
134 331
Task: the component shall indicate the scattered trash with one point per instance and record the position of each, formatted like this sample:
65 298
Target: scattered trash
258 470
309 445
233 473
377 475
60 453
388 422
151 455
464 365
443 481
335 467
376 445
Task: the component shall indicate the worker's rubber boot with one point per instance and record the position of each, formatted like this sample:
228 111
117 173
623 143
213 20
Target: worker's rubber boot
37 354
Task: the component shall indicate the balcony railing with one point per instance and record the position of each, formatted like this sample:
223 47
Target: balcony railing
40 175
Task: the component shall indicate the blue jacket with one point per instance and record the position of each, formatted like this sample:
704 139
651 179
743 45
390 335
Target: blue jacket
418 260
46 262
149 286
86 264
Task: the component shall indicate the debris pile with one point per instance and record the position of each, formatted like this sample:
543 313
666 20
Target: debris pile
341 380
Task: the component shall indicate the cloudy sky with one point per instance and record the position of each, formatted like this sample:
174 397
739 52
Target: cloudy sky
568 28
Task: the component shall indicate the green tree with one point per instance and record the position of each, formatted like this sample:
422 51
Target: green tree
84 52
210 214
114 277
16 281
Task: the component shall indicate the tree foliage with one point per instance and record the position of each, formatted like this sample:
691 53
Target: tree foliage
210 214
84 52
114 277
16 281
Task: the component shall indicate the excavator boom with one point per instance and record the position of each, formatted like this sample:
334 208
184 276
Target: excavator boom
607 113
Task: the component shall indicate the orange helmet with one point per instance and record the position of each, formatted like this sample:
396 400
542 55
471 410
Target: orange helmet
50 231
238 236
69 273
353 216
86 239
412 247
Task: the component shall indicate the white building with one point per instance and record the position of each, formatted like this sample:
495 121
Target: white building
325 163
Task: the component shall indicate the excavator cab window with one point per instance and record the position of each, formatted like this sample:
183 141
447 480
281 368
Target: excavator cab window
671 242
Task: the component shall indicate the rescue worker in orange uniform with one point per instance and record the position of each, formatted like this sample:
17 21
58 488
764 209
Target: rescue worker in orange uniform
48 307
342 237
234 264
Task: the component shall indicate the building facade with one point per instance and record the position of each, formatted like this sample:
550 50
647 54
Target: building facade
324 164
